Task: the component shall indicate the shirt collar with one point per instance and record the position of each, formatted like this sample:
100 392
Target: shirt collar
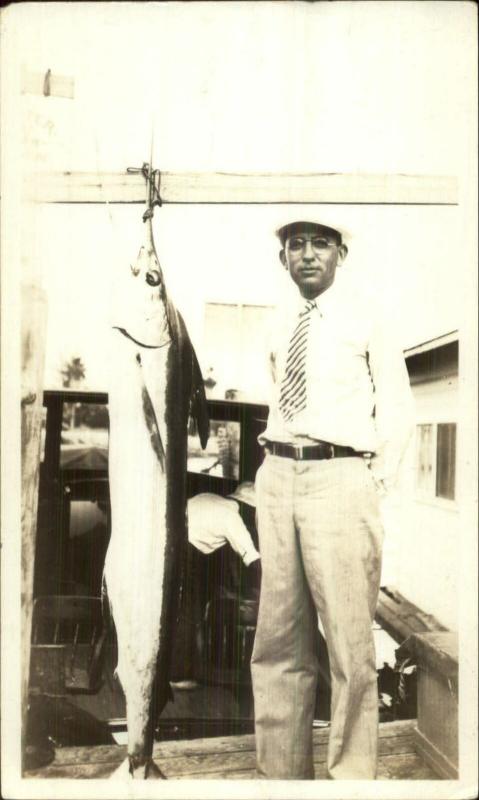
324 301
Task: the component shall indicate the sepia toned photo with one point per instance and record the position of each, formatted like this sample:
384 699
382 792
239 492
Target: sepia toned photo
239 399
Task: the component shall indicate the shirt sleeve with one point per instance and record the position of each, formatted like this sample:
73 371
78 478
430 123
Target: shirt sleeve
394 404
212 523
205 531
239 538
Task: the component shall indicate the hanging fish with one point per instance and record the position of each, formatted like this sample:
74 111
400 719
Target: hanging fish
155 385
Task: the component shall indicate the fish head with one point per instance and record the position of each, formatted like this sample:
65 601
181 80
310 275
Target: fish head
141 307
147 268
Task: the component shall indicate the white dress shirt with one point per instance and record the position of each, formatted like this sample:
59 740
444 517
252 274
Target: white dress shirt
357 385
214 520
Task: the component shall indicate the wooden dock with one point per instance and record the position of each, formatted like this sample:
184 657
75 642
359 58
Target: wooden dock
233 757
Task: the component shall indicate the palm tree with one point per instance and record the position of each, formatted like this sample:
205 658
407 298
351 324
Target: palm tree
73 373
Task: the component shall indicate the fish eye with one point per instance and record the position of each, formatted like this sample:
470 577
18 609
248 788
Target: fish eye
153 277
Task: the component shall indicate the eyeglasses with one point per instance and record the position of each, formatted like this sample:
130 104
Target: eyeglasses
297 243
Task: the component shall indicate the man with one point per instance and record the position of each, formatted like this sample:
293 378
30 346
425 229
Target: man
340 417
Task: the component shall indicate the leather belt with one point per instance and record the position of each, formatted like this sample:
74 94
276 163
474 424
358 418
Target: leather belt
313 452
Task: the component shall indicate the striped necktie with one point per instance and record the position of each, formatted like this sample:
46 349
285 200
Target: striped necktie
292 398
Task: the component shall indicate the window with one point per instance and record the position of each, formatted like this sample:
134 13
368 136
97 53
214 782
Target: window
88 535
436 460
424 458
84 437
222 455
446 460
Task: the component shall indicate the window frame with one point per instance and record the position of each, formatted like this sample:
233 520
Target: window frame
428 495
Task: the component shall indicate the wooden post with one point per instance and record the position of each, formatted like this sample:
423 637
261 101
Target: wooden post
36 127
33 331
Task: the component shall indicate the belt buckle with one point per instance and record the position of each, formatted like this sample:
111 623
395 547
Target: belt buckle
298 452
331 451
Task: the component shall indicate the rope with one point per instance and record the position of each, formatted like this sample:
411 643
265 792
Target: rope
153 179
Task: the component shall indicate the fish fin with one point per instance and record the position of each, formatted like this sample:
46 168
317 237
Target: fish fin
153 427
173 318
198 406
106 612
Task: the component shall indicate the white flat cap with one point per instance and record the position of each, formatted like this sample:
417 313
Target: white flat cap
325 226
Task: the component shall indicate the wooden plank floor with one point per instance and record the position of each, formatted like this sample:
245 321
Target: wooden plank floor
233 757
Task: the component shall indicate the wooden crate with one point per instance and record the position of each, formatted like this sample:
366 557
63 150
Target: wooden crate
47 669
436 735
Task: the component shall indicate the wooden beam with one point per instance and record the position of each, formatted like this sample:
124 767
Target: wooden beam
400 618
244 188
233 757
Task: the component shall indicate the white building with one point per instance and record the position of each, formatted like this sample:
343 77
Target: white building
426 548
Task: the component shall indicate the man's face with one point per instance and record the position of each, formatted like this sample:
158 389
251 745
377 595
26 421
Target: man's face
311 256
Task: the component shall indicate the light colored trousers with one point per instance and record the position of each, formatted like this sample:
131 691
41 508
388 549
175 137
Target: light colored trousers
320 536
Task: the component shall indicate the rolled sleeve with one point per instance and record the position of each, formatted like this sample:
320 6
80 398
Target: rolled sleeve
213 521
240 540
